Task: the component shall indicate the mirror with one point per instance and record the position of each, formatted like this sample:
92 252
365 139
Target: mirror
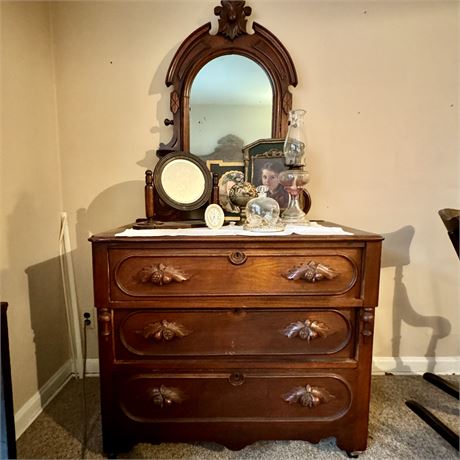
258 50
230 106
258 47
182 181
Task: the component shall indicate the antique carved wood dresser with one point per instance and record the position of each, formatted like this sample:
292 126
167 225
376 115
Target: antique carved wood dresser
231 338
235 339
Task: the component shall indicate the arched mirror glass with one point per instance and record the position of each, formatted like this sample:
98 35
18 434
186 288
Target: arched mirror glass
231 101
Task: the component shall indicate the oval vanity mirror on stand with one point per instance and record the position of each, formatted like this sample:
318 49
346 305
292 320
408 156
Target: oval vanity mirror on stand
177 192
183 181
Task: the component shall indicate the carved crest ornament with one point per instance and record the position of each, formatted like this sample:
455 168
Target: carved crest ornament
232 21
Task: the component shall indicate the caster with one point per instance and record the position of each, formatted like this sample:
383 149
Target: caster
354 454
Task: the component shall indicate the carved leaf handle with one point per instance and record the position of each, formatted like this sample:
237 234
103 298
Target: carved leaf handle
164 330
306 330
308 396
311 272
165 396
162 274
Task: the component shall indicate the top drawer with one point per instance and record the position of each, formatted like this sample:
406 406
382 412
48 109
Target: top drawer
149 273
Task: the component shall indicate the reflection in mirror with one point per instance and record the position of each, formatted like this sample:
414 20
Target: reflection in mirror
230 106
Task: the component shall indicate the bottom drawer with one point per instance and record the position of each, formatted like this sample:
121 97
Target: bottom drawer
151 398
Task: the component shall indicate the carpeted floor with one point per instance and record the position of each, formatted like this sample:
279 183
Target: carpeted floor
395 432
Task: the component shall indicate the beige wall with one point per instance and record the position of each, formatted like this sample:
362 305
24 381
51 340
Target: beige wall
379 81
31 200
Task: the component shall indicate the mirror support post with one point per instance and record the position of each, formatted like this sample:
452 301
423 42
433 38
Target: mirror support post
149 206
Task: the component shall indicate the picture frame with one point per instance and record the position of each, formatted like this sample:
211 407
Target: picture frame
229 172
220 167
263 161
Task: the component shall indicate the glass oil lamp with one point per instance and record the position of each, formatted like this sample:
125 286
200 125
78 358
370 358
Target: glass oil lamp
295 178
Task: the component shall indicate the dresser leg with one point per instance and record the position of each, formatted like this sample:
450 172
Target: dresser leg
112 450
352 447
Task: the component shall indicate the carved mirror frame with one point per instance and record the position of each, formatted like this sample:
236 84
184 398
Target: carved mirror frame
200 47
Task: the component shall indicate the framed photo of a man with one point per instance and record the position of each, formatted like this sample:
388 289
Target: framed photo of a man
263 162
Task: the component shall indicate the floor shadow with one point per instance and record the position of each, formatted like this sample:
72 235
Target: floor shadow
396 253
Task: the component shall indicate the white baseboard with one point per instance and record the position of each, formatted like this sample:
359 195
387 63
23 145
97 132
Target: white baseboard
92 367
410 365
35 405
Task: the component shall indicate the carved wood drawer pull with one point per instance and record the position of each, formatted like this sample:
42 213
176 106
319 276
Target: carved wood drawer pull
311 272
236 379
162 274
367 317
237 258
306 330
105 322
308 396
164 330
165 396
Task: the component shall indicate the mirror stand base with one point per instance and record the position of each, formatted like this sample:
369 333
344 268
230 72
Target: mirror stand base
152 224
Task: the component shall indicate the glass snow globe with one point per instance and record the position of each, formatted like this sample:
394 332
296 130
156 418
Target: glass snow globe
263 213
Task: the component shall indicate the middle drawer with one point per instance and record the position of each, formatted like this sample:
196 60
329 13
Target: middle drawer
233 332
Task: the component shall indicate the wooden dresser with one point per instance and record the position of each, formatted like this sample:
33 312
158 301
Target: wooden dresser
235 339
